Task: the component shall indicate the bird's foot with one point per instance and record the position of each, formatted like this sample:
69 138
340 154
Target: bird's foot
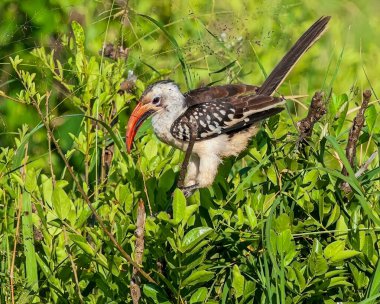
189 190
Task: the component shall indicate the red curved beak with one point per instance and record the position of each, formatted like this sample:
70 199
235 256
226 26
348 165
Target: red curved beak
138 116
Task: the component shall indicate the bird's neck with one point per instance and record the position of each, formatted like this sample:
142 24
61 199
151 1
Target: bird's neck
164 119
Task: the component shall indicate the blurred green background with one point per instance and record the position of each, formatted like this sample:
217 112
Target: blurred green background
211 35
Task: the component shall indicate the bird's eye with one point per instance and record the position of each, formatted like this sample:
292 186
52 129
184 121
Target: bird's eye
156 101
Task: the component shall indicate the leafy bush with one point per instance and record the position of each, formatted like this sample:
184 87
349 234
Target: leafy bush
275 226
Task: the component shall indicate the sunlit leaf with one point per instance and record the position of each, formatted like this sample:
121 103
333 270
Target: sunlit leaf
194 236
237 281
179 206
198 276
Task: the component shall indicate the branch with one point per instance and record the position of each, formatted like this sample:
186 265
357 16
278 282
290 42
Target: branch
139 252
73 266
365 166
345 186
316 111
357 126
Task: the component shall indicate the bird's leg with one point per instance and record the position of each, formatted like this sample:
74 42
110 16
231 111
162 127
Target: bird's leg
208 168
192 170
185 163
189 190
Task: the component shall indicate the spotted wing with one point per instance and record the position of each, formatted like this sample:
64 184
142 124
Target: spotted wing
225 116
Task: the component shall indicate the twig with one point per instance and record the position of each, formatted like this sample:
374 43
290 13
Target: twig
316 111
108 150
49 139
86 198
147 194
107 155
345 186
73 266
139 251
364 167
357 126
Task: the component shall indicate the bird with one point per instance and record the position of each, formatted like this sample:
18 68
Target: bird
212 123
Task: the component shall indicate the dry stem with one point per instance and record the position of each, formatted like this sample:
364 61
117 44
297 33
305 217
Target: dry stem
357 126
316 111
73 266
139 251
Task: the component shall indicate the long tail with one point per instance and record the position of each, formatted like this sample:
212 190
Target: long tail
286 64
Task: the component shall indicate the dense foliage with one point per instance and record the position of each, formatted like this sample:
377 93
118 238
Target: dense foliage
274 228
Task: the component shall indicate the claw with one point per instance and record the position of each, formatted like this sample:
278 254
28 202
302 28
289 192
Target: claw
189 190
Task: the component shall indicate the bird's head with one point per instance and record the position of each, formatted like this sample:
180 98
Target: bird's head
164 95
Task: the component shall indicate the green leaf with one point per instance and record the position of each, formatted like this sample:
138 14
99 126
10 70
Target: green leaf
284 242
346 254
334 273
166 180
333 249
31 180
47 189
189 212
79 35
20 153
300 279
310 179
271 174
82 243
282 222
15 62
150 149
336 102
334 216
342 118
199 296
198 276
371 117
194 236
28 242
374 285
339 281
240 216
61 203
360 278
157 294
317 264
252 219
179 206
237 281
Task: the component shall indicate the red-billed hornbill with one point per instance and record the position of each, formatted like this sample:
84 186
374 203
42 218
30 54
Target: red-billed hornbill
212 123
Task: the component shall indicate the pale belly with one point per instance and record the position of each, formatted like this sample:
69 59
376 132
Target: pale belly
223 146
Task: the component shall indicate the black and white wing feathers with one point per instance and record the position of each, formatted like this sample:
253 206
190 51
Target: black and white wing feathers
225 116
